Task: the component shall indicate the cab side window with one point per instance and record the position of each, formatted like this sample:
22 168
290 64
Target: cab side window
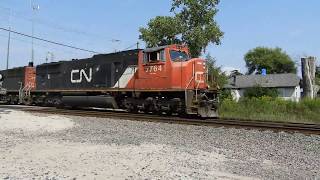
152 57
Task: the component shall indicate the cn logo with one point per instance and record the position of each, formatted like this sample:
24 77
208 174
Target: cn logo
199 77
80 73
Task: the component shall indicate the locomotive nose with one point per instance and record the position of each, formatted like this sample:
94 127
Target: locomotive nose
1 77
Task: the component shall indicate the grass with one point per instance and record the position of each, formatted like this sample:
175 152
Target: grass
270 109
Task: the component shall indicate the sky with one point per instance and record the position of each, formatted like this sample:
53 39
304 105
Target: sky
108 26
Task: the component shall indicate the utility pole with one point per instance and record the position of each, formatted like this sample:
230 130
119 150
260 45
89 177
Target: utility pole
34 9
9 40
51 55
115 41
137 45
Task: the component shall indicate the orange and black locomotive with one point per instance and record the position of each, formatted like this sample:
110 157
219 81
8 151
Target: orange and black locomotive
158 80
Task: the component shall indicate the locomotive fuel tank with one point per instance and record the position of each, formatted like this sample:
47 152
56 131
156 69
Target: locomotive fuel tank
90 101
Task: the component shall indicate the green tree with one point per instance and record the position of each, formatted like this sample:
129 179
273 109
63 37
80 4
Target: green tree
162 30
199 25
192 24
273 59
216 78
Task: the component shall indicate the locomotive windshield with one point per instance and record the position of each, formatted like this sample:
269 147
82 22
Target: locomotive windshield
179 55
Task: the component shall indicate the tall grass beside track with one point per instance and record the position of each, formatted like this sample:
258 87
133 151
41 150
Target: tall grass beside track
270 109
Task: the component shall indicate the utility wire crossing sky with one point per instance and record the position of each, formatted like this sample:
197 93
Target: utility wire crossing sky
48 41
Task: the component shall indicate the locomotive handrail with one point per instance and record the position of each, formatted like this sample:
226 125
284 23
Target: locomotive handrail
191 77
197 90
189 83
25 91
186 89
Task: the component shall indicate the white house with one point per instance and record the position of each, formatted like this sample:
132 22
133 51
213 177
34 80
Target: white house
288 85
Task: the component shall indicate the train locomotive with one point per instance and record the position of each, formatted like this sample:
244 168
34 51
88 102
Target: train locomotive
162 80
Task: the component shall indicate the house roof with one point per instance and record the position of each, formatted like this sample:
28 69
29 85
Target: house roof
270 80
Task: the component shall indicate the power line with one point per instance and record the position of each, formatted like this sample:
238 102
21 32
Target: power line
58 27
39 45
22 15
134 45
48 41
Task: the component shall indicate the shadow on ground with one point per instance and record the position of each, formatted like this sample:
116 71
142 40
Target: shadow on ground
4 111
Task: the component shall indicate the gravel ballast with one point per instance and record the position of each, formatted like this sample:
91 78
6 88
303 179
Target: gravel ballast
68 147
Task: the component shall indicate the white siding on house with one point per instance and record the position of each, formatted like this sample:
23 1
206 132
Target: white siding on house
287 84
288 93
292 93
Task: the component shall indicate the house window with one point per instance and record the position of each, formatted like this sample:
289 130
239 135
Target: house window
286 92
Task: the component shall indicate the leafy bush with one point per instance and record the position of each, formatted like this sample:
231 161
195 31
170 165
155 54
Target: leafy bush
216 78
225 94
260 92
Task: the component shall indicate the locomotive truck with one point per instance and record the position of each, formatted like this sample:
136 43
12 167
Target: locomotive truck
163 80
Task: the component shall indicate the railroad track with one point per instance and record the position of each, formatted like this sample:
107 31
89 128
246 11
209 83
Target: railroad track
248 124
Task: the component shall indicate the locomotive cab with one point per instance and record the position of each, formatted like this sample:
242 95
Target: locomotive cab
170 67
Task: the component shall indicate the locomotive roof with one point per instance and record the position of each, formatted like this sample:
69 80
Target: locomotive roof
14 68
117 53
123 53
155 49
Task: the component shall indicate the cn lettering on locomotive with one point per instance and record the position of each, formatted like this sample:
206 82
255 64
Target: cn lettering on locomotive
80 74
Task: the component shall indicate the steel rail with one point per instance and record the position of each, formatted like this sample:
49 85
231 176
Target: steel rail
248 124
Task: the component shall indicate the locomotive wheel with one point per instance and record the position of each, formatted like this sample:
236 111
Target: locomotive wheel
28 101
132 109
39 101
7 100
57 102
46 102
168 113
14 100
